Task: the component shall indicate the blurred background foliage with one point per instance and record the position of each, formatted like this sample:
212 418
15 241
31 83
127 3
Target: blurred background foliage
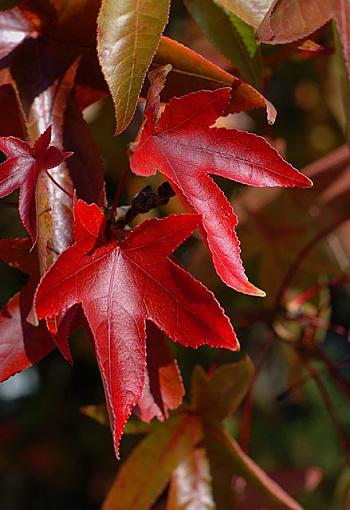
53 455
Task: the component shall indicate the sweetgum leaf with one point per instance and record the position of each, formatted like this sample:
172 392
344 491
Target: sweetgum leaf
21 170
120 284
185 148
290 20
128 36
163 388
190 486
159 455
220 394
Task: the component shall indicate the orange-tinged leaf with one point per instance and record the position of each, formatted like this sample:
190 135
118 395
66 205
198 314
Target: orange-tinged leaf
146 472
190 487
163 388
191 71
128 36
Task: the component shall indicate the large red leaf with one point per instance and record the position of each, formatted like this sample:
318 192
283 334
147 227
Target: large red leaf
22 169
120 284
185 148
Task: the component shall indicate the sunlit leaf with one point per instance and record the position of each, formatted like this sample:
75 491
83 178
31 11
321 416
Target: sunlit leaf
128 36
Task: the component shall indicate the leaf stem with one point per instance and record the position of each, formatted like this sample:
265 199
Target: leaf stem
120 189
58 185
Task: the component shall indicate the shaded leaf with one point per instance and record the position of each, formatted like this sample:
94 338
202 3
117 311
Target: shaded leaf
113 277
227 459
295 481
220 394
128 36
219 29
290 20
163 388
16 253
12 121
164 449
186 149
190 487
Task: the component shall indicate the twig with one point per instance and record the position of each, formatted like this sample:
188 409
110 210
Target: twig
120 189
143 202
302 254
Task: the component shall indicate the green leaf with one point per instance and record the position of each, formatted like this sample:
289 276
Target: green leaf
247 34
128 37
219 29
220 394
250 11
97 412
146 472
190 486
226 460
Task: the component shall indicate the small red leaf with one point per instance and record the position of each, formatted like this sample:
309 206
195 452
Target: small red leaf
21 344
163 385
21 170
120 284
185 148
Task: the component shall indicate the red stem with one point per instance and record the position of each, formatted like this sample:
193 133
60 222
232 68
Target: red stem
119 189
58 185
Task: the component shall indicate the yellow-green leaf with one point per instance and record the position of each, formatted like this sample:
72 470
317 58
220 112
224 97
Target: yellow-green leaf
146 472
128 37
250 11
219 395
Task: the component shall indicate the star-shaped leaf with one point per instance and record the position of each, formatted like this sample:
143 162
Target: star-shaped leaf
21 170
185 148
123 283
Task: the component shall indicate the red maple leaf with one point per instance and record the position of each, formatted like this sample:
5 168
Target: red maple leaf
185 148
22 168
123 283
